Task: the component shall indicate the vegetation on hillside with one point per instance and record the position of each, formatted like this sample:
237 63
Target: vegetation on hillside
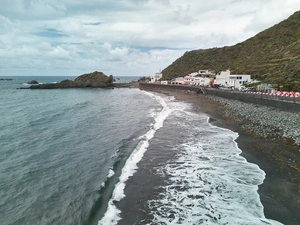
272 56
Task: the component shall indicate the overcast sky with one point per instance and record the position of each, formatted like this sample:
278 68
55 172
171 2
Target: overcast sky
123 37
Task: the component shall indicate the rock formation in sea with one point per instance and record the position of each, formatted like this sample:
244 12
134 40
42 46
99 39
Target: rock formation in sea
92 80
33 82
95 78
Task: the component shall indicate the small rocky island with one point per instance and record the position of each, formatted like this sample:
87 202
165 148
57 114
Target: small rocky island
90 80
6 79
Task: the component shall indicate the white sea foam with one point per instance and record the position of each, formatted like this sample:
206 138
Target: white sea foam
209 182
112 215
110 173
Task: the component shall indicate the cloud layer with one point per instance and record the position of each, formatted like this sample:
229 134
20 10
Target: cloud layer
124 37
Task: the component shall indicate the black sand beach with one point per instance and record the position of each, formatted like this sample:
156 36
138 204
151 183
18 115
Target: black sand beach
280 192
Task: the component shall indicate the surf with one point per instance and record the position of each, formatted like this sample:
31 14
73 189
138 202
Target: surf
112 215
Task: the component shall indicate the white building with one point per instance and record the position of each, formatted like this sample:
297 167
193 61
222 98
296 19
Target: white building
205 81
193 74
197 81
178 80
206 73
190 79
165 82
225 78
222 77
202 73
238 80
156 77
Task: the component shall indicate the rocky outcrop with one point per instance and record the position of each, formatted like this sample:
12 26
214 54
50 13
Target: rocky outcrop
33 82
95 78
62 84
91 80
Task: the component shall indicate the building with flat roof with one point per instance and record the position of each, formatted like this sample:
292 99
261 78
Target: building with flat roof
156 77
233 80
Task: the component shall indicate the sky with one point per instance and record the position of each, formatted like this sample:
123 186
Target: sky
123 37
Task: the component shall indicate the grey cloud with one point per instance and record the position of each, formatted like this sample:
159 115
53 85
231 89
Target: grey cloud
93 24
50 33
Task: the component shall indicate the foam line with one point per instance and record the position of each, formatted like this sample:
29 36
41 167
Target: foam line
112 215
208 181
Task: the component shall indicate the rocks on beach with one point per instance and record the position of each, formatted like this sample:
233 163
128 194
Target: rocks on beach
265 122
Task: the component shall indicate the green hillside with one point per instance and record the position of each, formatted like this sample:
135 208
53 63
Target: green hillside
272 56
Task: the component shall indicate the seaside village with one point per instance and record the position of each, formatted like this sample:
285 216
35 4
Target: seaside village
225 81
205 78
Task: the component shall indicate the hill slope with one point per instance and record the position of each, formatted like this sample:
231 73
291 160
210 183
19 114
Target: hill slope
272 56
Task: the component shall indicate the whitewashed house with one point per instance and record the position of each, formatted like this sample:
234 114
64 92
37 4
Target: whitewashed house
236 81
196 81
205 81
156 77
206 73
222 77
165 82
202 73
194 74
189 79
178 80
199 78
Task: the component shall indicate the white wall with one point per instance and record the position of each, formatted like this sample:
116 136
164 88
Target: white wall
232 80
156 77
238 80
223 77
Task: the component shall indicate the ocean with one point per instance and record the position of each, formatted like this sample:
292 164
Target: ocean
118 157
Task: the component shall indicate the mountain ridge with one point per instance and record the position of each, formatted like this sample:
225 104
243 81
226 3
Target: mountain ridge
271 56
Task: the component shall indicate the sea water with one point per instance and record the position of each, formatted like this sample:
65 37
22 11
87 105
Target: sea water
68 156
59 147
205 182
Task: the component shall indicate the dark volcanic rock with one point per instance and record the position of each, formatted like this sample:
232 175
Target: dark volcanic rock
6 79
33 82
94 80
62 84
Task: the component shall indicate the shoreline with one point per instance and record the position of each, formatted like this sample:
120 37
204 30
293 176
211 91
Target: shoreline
280 191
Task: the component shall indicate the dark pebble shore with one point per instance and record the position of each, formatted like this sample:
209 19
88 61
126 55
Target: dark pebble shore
267 137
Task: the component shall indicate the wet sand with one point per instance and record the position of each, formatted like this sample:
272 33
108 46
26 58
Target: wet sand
280 192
